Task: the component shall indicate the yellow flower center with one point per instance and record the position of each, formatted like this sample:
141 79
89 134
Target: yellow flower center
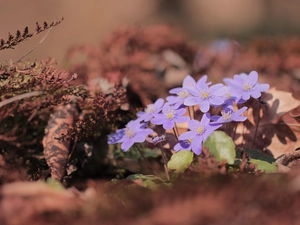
205 94
129 132
150 109
182 94
247 87
226 116
228 95
200 129
169 115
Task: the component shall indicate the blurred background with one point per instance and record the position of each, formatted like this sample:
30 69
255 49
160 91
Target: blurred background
89 22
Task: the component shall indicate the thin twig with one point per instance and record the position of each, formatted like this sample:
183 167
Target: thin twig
143 156
41 41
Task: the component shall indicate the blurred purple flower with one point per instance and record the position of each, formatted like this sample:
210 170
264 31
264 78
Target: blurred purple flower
132 133
199 132
228 115
114 138
169 116
151 110
246 86
189 81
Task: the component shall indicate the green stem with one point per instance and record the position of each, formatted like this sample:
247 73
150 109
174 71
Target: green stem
165 161
256 127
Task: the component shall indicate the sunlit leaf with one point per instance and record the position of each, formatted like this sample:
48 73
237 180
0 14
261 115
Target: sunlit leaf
221 146
149 181
180 161
264 166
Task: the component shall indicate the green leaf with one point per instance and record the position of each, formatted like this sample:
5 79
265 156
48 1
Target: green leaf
264 166
180 161
55 184
221 146
255 154
149 181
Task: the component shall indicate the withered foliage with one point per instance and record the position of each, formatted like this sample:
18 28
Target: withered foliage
142 55
19 37
22 121
275 59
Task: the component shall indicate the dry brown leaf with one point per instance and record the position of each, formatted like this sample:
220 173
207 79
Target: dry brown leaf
285 99
56 151
277 130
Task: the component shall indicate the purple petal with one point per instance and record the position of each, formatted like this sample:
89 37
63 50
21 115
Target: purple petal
187 135
215 117
192 90
191 101
197 145
228 81
159 103
175 90
204 106
182 119
217 101
172 99
214 88
240 118
139 138
205 119
221 91
202 80
127 144
169 124
245 95
193 124
158 119
201 86
180 112
262 87
188 81
252 78
241 110
255 94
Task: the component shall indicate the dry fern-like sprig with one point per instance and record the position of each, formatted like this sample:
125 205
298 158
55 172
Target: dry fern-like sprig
14 40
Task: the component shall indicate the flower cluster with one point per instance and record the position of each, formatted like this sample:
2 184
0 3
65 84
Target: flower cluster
202 94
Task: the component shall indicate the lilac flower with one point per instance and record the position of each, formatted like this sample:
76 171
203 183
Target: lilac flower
169 116
133 133
182 92
183 145
199 132
247 86
151 110
206 96
229 115
178 100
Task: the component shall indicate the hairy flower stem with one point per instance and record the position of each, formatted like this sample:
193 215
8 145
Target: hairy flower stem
143 156
175 132
226 128
256 127
165 161
190 113
234 131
